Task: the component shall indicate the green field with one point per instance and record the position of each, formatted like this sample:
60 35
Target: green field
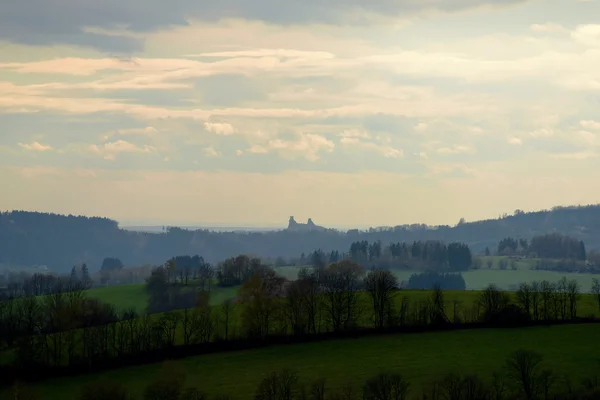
421 358
135 296
478 279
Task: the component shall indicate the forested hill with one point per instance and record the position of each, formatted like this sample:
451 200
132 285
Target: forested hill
28 238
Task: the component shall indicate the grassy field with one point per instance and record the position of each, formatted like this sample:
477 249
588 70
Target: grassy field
478 279
135 296
419 357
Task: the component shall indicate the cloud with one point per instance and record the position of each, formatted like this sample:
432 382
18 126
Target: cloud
100 24
541 133
386 151
456 149
306 145
110 150
588 124
355 133
220 128
515 140
548 27
35 146
211 152
587 35
583 155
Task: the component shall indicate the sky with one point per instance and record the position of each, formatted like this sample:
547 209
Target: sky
351 112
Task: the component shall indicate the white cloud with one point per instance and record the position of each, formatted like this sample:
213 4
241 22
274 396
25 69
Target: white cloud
149 130
582 155
220 128
515 140
355 133
35 146
588 124
548 27
541 133
456 149
211 152
386 151
307 145
110 150
587 35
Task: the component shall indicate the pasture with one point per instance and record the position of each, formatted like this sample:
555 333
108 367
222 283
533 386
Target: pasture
420 358
478 279
136 296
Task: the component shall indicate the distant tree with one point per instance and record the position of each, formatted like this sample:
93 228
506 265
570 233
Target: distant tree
487 252
85 275
111 263
459 256
74 274
582 252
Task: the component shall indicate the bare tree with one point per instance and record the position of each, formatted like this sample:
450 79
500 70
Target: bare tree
340 281
386 386
381 286
492 301
535 299
226 309
523 367
573 291
280 385
546 381
524 297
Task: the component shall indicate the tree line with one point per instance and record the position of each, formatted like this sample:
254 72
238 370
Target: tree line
59 241
66 329
523 375
551 245
429 255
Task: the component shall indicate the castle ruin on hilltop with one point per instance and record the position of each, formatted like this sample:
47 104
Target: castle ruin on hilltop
308 227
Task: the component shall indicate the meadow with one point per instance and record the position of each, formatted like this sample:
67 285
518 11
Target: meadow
478 279
568 349
135 296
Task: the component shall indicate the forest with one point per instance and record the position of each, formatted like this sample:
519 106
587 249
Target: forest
59 242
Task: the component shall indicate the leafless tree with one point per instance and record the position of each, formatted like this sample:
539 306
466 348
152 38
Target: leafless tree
524 297
573 290
523 367
492 301
280 385
386 386
226 309
381 286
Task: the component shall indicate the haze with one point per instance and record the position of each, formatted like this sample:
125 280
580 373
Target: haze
354 114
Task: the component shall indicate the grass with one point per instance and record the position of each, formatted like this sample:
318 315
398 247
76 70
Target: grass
135 296
478 279
419 357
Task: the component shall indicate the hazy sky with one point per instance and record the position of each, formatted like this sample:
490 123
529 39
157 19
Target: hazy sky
352 112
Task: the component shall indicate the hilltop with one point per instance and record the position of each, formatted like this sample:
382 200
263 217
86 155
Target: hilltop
59 241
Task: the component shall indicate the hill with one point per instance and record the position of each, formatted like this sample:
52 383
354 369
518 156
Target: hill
58 241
